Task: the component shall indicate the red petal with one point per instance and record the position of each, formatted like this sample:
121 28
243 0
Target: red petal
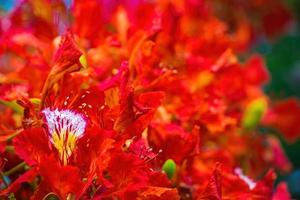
285 116
158 193
264 187
213 189
255 71
67 54
62 180
32 145
281 192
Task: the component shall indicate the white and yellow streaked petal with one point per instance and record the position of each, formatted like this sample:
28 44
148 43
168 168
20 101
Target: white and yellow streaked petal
65 119
65 127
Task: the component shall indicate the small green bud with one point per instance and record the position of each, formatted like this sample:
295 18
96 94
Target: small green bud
254 112
169 168
36 101
83 61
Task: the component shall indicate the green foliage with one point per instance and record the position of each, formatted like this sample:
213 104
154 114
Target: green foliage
283 62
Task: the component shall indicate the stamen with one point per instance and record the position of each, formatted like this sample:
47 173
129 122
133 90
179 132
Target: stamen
251 184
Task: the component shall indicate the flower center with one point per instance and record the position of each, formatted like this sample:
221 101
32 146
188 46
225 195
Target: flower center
65 127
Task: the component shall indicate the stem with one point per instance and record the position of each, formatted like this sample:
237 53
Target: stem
14 135
10 148
15 169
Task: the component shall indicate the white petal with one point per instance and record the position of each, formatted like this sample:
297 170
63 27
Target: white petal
64 120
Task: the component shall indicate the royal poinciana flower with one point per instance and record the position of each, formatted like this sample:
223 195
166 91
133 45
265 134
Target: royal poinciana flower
140 100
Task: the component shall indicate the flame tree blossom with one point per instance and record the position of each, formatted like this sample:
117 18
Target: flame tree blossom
140 100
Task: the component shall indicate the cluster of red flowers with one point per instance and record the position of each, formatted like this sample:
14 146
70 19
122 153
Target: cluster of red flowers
140 100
